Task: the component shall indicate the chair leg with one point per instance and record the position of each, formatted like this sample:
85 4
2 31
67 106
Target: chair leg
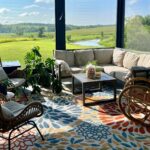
34 124
9 140
9 144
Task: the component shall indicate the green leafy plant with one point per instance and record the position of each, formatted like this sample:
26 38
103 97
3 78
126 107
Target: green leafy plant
39 72
94 62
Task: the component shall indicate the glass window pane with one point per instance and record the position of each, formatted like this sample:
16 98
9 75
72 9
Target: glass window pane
25 24
137 25
90 23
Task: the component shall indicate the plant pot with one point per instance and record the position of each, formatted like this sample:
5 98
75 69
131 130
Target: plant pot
57 86
3 89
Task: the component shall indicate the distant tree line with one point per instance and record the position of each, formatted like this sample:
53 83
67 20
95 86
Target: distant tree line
25 28
21 28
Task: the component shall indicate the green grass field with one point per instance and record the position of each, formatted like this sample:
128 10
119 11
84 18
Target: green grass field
17 50
13 47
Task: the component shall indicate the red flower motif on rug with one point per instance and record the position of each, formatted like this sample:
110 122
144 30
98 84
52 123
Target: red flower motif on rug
23 142
111 115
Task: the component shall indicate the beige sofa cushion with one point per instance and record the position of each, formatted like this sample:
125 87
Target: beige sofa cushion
116 71
118 56
67 56
82 57
130 60
144 60
103 56
75 70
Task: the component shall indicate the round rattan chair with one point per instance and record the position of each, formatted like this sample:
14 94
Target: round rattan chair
20 115
134 100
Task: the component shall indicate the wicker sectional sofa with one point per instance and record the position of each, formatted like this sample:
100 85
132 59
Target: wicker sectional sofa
115 62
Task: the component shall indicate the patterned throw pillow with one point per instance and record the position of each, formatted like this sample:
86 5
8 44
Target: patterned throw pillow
118 56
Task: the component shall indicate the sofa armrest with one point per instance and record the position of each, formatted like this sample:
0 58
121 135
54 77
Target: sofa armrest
138 69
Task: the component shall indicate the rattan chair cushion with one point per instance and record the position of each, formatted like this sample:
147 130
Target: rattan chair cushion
14 107
6 112
17 81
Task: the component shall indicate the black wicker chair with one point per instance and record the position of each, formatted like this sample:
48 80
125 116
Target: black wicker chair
20 115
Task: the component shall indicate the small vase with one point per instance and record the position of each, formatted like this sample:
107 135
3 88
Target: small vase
90 71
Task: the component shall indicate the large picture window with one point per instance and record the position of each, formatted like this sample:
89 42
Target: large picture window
25 24
90 23
137 25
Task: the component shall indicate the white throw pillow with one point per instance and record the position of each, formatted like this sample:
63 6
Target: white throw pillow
65 69
6 112
118 56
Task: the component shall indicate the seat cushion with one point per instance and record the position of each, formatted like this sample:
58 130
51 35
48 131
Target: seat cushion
14 107
103 56
130 60
67 56
82 57
75 70
7 113
3 75
144 60
118 56
116 71
17 81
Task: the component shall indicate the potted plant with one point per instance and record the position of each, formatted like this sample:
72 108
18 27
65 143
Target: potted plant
39 72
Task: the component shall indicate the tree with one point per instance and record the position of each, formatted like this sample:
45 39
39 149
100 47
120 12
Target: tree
102 35
68 38
19 31
137 36
41 32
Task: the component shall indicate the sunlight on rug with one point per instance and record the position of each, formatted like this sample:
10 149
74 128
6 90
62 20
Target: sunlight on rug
66 124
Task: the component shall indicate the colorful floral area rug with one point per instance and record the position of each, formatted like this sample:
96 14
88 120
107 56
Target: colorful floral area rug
67 125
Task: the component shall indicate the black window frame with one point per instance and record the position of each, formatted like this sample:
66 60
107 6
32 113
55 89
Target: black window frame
61 29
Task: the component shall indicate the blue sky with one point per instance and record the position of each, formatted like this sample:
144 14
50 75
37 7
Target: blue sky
78 12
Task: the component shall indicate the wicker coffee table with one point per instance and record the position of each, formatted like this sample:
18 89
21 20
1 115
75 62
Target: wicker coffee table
81 77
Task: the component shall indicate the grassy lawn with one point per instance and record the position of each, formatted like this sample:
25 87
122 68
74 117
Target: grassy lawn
13 47
17 50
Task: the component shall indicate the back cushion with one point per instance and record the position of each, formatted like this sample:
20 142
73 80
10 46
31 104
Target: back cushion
130 60
103 56
82 57
118 56
67 56
144 60
3 75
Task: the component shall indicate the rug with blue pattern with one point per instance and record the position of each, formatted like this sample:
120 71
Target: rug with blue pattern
67 125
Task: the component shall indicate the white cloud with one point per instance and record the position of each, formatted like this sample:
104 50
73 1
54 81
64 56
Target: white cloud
29 14
44 1
132 2
4 10
31 6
